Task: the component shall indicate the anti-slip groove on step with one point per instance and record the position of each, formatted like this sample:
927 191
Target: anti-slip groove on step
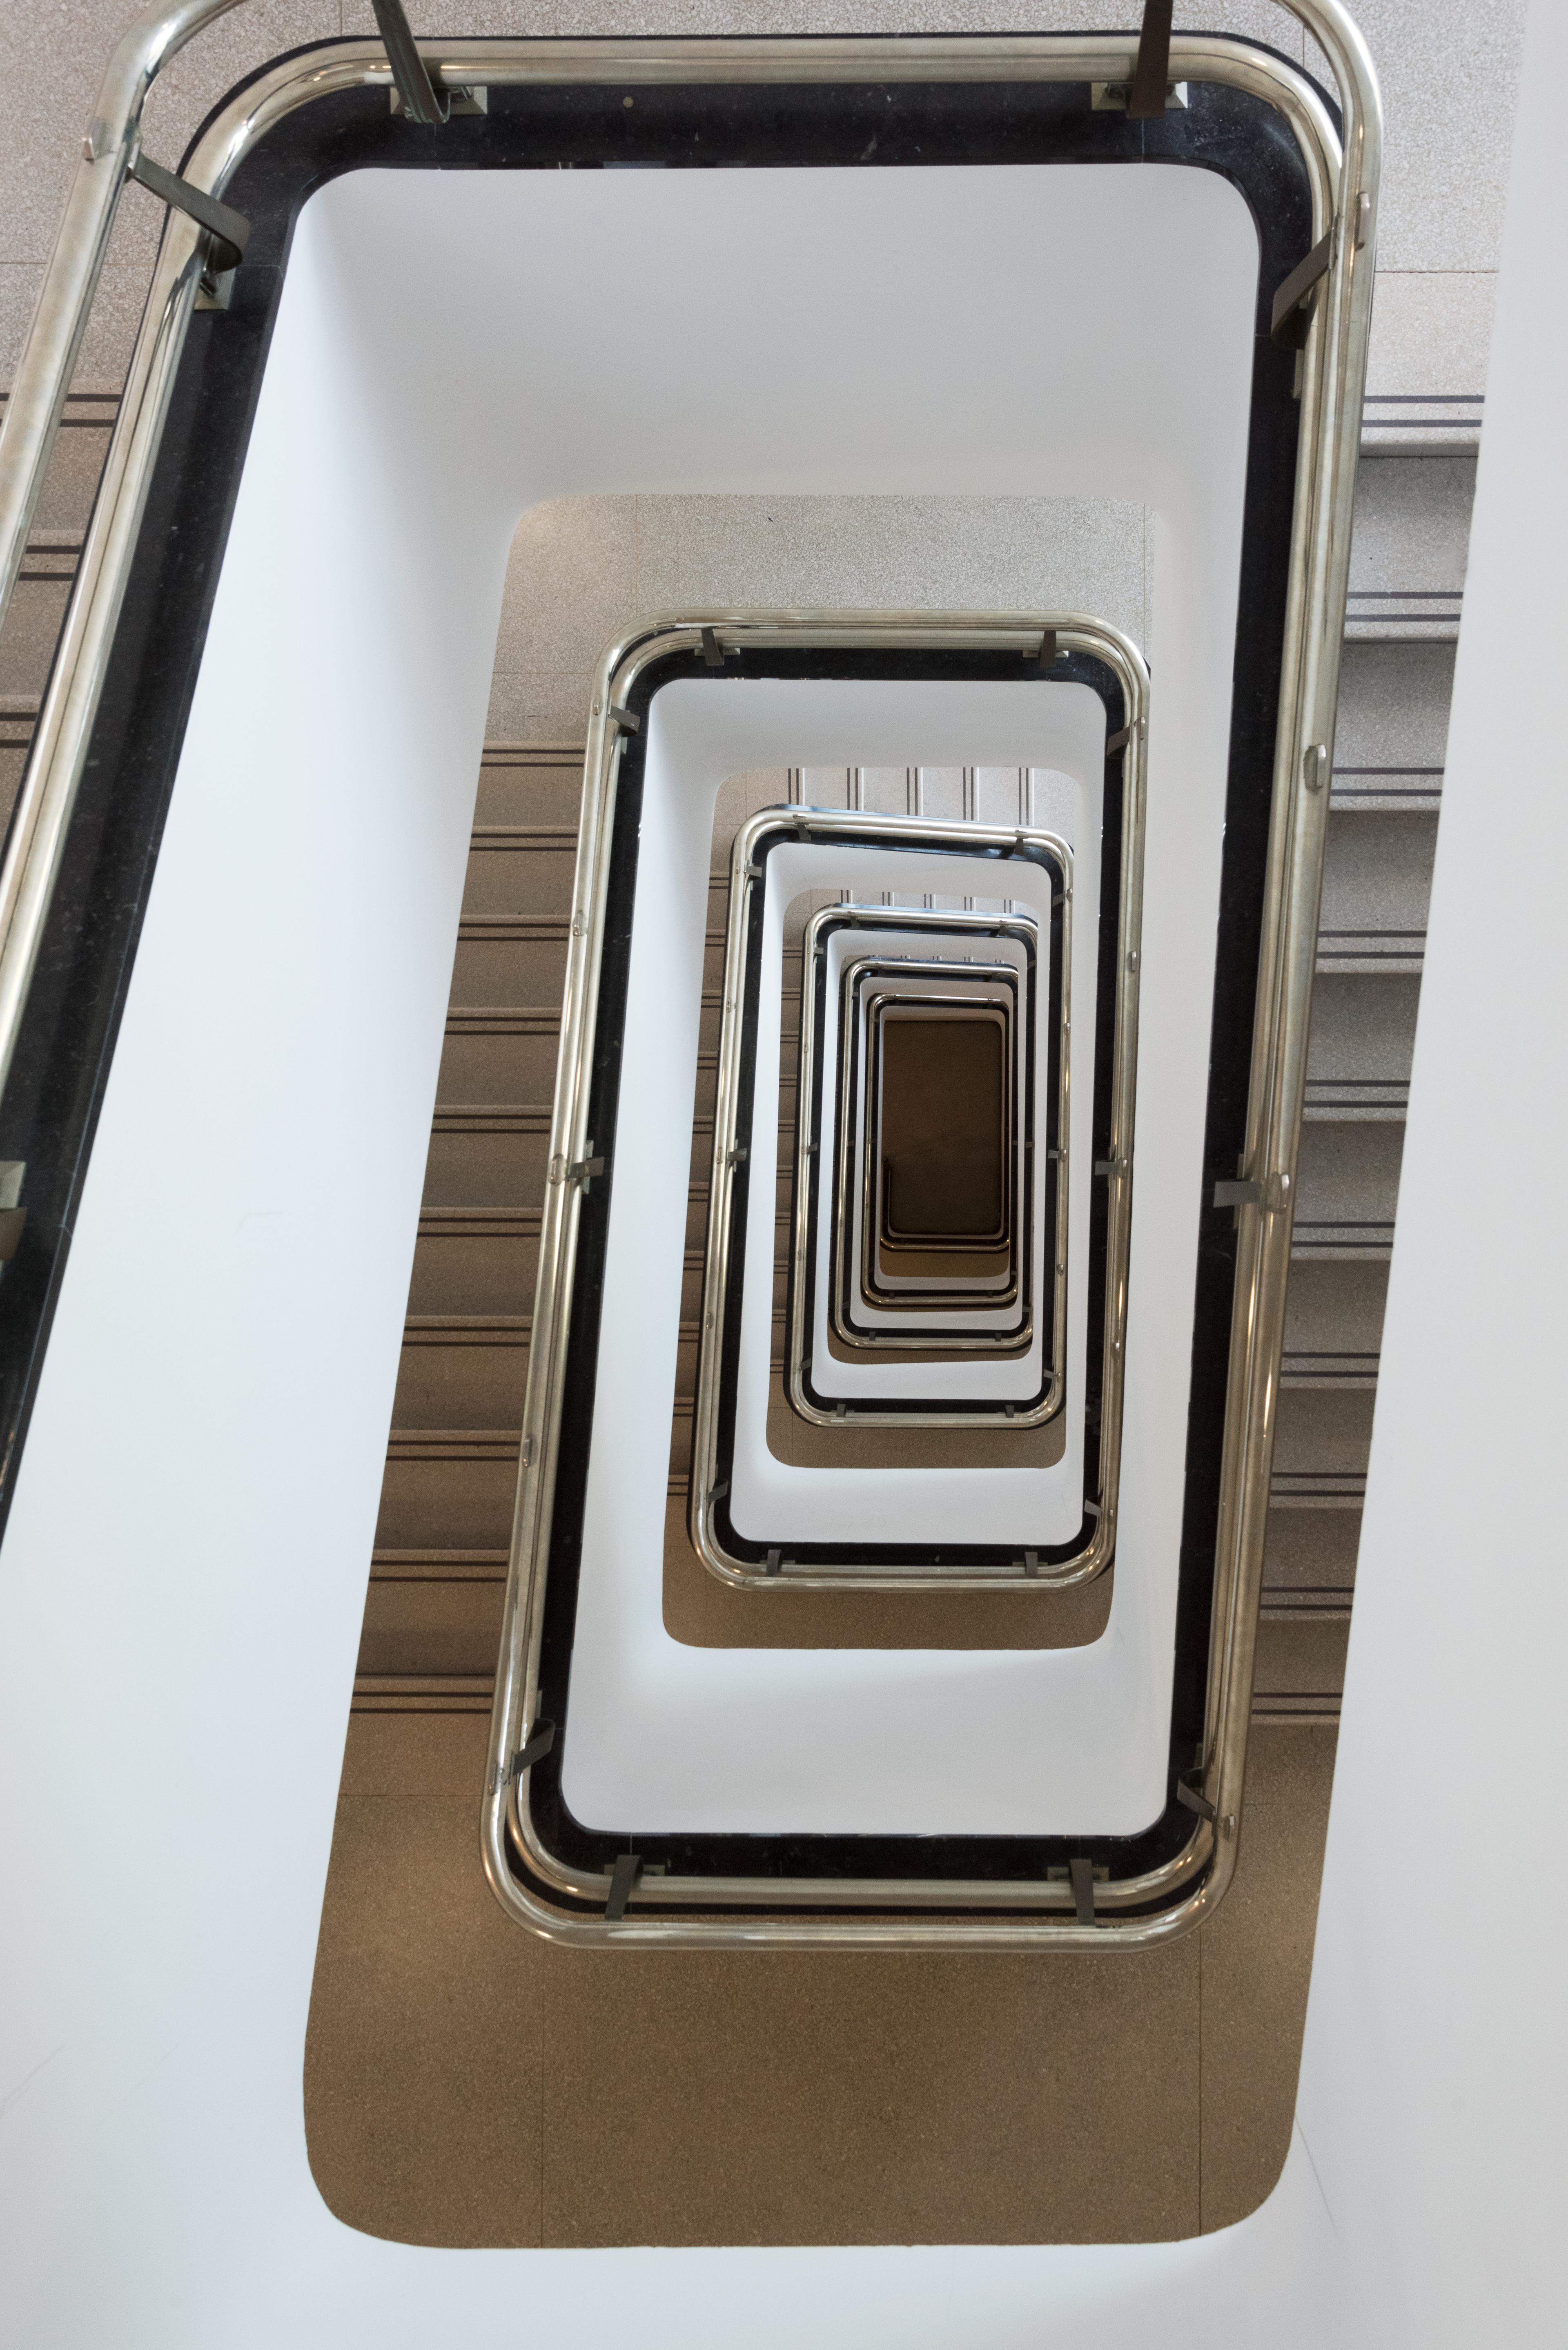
480 1223
1346 1100
538 840
1306 1705
501 754
1371 952
421 1693
1303 1368
467 1329
438 1565
1345 1241
1402 615
1316 1489
1329 1603
1386 791
490 1118
1421 424
515 930
453 1444
484 1020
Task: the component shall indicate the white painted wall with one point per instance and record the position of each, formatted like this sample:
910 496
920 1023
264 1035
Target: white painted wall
164 1833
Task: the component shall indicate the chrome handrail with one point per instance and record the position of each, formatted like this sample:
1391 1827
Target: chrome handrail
42 814
76 262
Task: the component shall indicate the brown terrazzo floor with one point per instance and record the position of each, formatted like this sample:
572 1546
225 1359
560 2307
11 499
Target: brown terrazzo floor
467 2084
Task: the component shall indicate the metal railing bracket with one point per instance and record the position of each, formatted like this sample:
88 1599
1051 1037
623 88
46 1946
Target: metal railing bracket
1081 1872
623 1884
1194 1801
534 1750
228 232
1294 301
423 101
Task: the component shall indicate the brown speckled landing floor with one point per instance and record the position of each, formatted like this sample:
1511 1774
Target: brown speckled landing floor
467 2084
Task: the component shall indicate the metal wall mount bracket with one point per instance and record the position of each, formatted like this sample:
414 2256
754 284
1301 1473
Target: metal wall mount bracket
13 1216
534 1750
1081 1872
1294 303
623 1884
1111 96
228 230
577 1171
1272 1193
462 98
1194 1801
422 103
1151 75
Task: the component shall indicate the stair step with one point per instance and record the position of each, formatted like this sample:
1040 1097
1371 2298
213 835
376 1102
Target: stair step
530 784
1300 1656
1393 711
497 1054
488 1155
1408 552
467 1371
474 1260
1333 1324
1310 1552
502 961
1323 1432
520 872
447 1489
1359 1050
1348 1186
440 1625
1377 876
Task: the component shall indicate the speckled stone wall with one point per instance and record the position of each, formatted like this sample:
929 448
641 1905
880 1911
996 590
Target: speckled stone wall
584 568
1447 68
